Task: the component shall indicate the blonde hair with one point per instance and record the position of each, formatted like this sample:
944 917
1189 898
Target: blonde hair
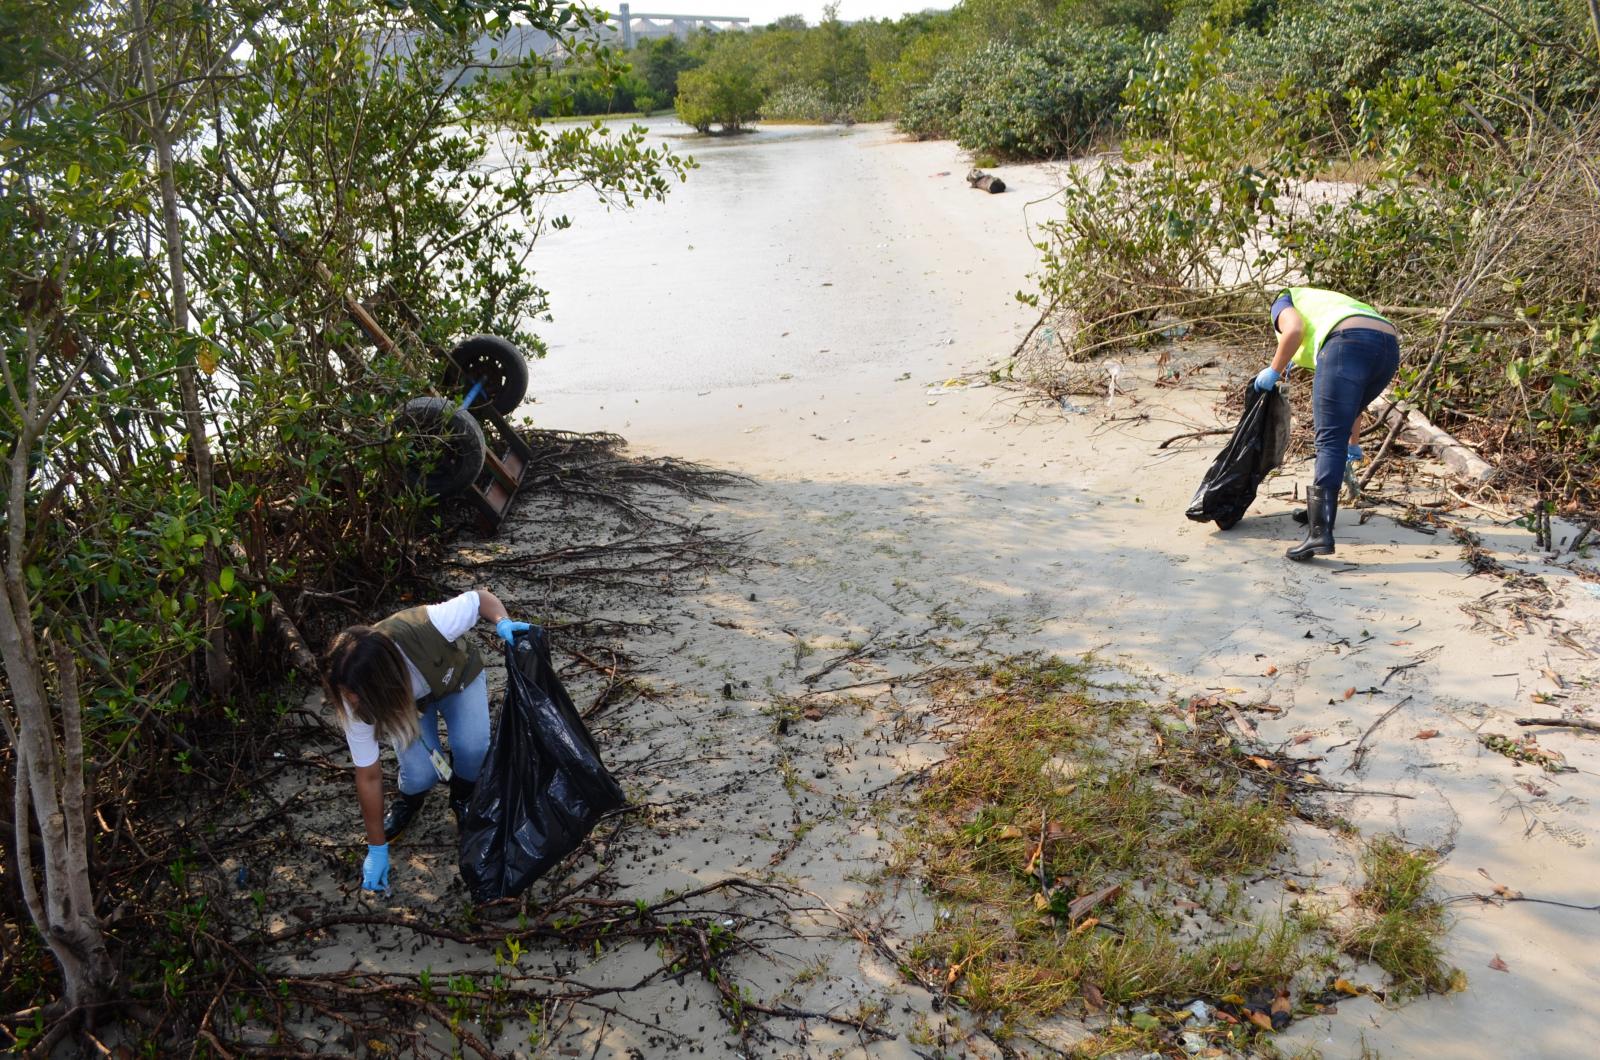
364 663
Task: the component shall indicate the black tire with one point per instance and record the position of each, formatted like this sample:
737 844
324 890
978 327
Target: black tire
445 445
499 365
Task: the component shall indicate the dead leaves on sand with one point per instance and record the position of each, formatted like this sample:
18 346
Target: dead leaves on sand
1526 750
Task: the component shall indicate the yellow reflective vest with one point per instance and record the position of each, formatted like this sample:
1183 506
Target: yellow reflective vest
1321 310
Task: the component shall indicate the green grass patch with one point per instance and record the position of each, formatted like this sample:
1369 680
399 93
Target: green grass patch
1091 852
1400 925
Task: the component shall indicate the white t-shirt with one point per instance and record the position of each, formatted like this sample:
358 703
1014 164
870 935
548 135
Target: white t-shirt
452 618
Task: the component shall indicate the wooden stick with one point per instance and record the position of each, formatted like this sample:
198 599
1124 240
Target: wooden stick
1239 720
1563 723
1361 745
1195 434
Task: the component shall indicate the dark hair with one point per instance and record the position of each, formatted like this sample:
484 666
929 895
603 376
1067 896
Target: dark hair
363 662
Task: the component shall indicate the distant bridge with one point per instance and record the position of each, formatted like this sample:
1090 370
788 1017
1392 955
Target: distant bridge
636 25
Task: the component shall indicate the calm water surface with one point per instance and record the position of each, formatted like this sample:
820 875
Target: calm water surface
787 252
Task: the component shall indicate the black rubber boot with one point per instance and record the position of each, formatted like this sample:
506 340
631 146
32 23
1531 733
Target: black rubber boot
1299 515
1322 507
401 813
460 795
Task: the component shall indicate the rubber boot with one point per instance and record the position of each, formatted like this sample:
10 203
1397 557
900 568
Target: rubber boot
460 795
402 811
1352 487
1322 506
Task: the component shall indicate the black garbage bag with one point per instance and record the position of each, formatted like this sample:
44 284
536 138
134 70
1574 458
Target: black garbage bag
1257 446
543 786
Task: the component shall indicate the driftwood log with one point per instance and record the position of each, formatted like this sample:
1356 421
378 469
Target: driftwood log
1463 463
985 182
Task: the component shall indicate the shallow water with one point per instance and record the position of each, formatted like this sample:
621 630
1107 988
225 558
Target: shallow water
780 254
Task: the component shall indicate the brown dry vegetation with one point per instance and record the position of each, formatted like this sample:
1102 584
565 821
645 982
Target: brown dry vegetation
1097 855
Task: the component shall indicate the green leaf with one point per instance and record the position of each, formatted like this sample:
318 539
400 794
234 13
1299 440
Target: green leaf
73 172
225 579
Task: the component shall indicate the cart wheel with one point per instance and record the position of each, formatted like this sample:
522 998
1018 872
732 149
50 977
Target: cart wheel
446 447
494 362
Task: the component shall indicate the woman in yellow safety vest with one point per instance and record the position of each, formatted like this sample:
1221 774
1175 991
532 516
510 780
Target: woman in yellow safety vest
1355 353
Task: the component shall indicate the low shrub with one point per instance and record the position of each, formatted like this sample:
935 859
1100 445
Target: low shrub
1048 99
1175 231
719 93
811 103
1339 45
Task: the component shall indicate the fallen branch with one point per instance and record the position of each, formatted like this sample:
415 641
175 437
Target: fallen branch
1501 516
906 679
1498 899
1195 434
1361 745
1562 723
861 652
1418 661
1417 430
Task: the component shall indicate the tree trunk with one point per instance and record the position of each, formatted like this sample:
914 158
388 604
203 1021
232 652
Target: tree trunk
219 670
49 775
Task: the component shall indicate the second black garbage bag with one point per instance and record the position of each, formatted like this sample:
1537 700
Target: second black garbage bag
543 786
1257 446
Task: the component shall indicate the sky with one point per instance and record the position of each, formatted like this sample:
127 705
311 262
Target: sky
761 12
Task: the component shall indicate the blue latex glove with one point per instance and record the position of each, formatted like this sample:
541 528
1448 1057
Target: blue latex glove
1267 378
375 870
1352 454
508 629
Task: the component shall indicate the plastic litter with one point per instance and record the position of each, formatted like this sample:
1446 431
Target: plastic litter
543 786
1257 446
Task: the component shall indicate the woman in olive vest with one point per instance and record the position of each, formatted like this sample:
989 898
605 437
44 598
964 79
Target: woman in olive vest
393 683
1355 353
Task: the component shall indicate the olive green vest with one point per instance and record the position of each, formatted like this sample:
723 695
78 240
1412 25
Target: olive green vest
1321 310
447 666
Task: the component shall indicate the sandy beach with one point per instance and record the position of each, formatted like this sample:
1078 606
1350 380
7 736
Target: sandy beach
795 317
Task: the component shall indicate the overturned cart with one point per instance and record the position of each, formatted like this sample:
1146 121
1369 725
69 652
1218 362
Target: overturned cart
459 459
1257 446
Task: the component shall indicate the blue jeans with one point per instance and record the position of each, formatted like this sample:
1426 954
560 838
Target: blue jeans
466 717
1352 370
